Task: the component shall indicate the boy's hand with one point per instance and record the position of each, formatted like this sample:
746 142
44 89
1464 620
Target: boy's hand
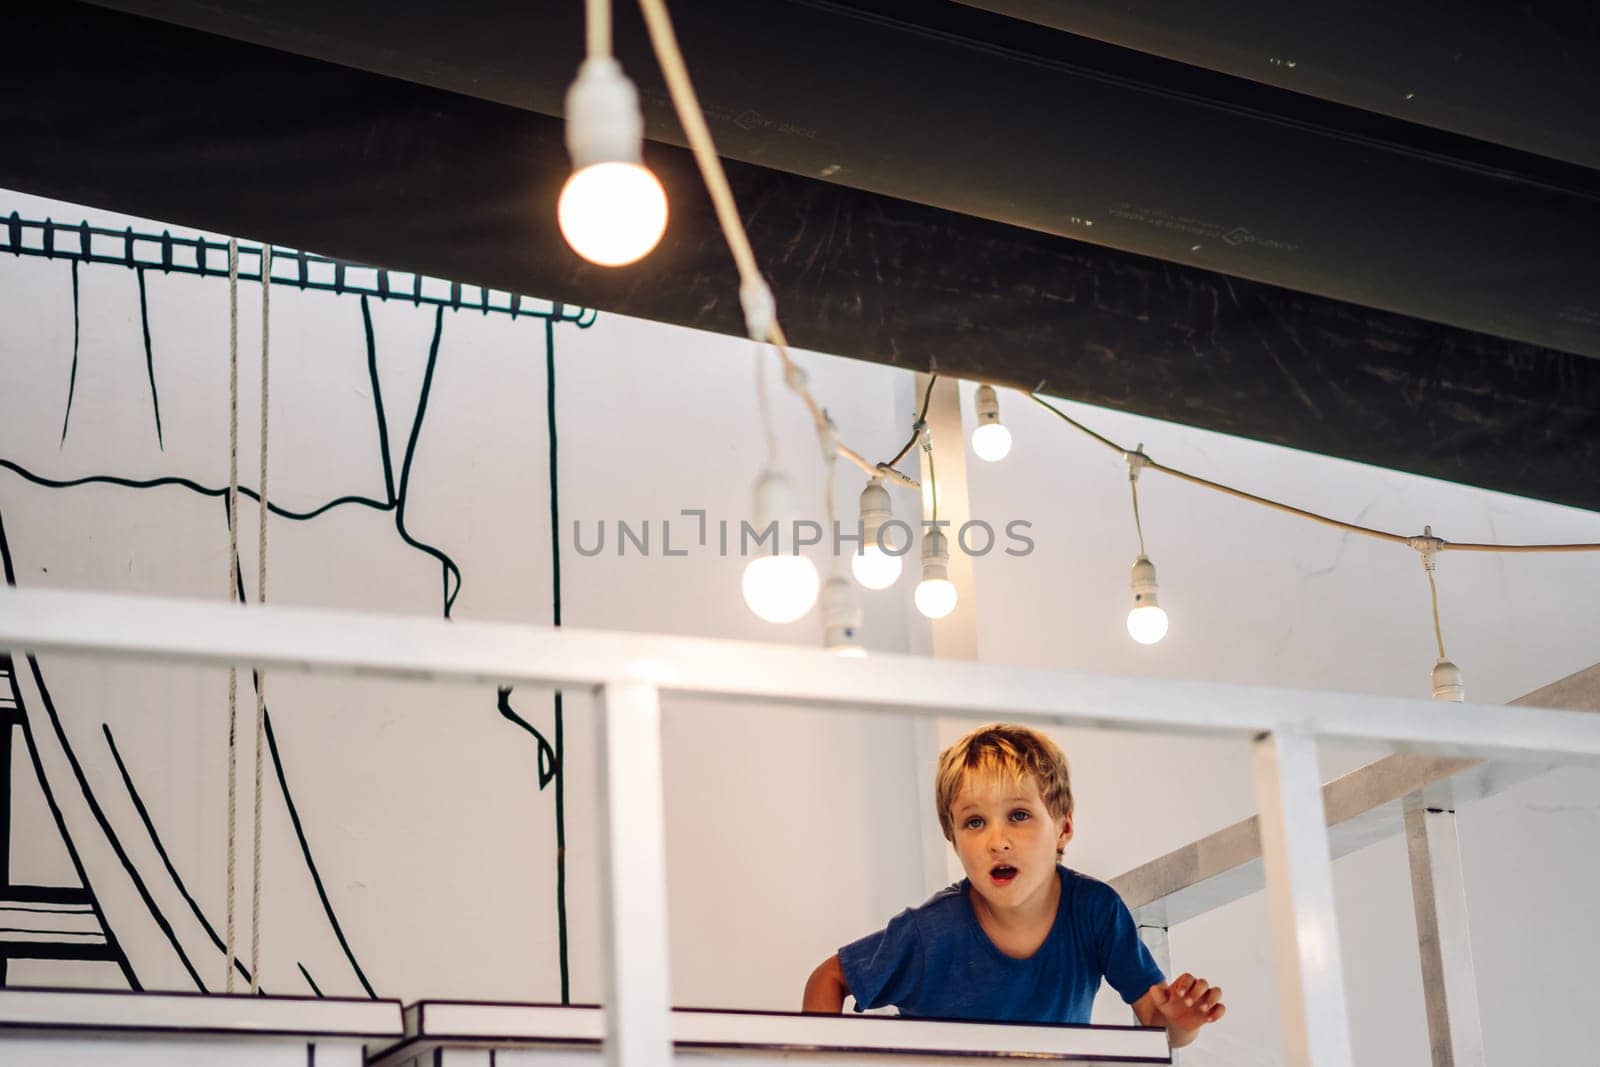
1185 1005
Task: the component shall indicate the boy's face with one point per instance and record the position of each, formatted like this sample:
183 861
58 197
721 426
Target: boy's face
1007 839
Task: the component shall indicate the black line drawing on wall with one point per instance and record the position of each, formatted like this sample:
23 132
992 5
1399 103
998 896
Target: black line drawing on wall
76 922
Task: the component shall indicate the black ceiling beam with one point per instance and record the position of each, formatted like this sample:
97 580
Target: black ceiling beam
150 119
1001 119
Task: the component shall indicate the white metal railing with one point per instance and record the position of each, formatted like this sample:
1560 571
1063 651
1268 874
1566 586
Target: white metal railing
630 671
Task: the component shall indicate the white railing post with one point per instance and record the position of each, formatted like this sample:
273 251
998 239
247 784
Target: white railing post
1305 935
1444 941
633 877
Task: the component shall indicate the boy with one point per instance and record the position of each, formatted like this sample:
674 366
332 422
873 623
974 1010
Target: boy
1021 939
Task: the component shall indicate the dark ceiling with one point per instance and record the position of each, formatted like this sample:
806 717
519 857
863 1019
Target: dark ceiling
1370 237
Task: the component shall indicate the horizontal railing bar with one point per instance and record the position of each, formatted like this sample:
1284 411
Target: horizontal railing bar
320 640
1363 807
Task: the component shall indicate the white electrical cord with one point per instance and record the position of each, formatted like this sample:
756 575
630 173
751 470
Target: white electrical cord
754 292
1367 531
1137 461
1428 546
597 27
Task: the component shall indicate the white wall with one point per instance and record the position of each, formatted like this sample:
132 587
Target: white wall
789 833
420 803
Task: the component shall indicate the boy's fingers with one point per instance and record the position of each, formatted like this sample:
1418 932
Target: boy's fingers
1158 994
1215 1013
1180 985
1213 996
1195 991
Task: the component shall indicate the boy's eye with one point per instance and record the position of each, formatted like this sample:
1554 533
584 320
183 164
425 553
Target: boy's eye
974 823
1021 815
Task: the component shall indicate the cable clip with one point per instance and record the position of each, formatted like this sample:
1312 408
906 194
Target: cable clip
828 438
1137 461
1429 546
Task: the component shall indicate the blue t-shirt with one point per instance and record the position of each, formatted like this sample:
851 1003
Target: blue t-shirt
936 961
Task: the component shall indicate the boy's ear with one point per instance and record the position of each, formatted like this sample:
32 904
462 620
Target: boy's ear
1066 833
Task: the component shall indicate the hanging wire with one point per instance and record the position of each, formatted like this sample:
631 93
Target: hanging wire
664 41
1340 524
1428 546
597 27
916 427
764 406
1136 460
1433 591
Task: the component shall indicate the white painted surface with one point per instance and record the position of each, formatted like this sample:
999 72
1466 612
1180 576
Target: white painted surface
244 1014
633 871
771 1036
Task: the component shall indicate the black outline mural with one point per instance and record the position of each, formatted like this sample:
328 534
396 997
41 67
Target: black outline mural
83 243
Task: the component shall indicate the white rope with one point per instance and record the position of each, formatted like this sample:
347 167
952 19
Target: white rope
261 599
233 589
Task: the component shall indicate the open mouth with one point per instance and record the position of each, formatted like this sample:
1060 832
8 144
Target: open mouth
1002 874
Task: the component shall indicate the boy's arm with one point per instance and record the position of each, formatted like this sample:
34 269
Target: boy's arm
1182 1007
826 988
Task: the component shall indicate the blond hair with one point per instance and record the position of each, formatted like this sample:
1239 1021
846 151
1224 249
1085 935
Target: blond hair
1003 750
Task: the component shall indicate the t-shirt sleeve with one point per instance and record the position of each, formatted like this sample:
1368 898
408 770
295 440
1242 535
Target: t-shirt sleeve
886 966
1126 963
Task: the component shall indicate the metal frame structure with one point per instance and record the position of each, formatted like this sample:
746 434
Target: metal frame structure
631 672
1410 795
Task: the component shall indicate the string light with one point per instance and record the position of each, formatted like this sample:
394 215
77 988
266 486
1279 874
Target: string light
873 567
936 594
1446 676
1147 621
990 440
782 586
691 117
612 209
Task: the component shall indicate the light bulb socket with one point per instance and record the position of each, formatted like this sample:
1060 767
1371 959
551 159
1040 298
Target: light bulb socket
935 556
876 510
841 616
987 406
1143 581
1447 683
604 124
773 502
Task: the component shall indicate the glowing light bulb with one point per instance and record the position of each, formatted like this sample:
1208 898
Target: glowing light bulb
873 567
1147 622
780 589
936 593
613 213
612 209
876 569
935 597
991 441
